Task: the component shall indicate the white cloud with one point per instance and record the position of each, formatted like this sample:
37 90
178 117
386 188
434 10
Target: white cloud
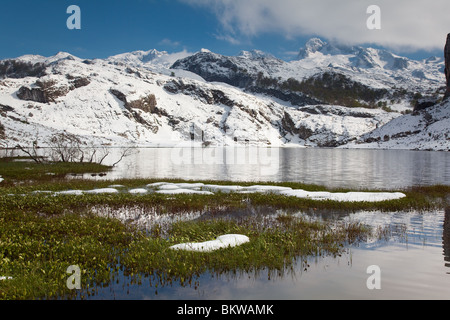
172 57
228 38
169 43
405 25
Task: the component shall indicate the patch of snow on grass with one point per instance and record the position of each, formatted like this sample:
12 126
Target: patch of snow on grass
173 188
70 192
103 190
225 241
181 190
349 196
205 189
138 191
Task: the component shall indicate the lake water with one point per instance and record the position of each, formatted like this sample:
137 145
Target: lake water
375 169
412 264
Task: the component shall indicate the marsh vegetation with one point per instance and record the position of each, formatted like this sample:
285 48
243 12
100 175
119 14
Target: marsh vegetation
43 233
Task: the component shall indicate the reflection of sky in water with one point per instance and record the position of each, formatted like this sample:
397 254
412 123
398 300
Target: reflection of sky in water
331 167
413 265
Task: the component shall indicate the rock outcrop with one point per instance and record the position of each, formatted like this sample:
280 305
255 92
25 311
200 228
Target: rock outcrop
47 91
447 65
146 104
32 94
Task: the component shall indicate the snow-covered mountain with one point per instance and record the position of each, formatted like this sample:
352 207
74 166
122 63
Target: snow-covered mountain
153 60
379 73
152 98
427 129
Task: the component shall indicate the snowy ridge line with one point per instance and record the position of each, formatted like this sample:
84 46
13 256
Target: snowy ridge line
209 189
142 99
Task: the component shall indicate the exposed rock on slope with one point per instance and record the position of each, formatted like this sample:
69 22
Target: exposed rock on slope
17 69
427 129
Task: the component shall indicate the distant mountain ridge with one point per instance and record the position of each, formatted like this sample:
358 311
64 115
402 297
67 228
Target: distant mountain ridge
374 69
332 96
360 57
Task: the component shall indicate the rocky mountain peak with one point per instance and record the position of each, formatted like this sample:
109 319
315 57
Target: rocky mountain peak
313 45
255 54
358 57
137 57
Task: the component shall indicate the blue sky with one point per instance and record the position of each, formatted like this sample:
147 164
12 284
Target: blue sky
223 26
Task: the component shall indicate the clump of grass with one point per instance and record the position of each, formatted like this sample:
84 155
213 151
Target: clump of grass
14 171
275 248
36 252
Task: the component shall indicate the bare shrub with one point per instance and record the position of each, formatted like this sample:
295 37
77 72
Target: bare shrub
67 147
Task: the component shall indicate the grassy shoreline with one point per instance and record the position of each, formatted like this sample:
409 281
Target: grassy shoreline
41 235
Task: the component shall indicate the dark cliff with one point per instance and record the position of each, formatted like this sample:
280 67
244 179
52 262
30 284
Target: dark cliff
447 65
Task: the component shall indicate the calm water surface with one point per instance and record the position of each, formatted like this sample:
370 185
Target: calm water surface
414 263
331 167
413 260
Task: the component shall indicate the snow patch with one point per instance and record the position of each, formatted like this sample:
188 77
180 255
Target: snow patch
183 191
81 192
224 241
207 189
347 197
70 192
174 188
226 189
138 191
103 190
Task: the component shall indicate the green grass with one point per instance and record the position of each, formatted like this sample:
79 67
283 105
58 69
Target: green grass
41 235
274 248
36 250
24 170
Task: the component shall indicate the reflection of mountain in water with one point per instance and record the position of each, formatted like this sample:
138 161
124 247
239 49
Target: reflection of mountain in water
446 237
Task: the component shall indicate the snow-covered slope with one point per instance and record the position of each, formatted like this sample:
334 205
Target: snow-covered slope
427 129
374 67
137 99
153 60
111 103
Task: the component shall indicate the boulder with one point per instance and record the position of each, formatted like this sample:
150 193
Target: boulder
32 94
45 91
